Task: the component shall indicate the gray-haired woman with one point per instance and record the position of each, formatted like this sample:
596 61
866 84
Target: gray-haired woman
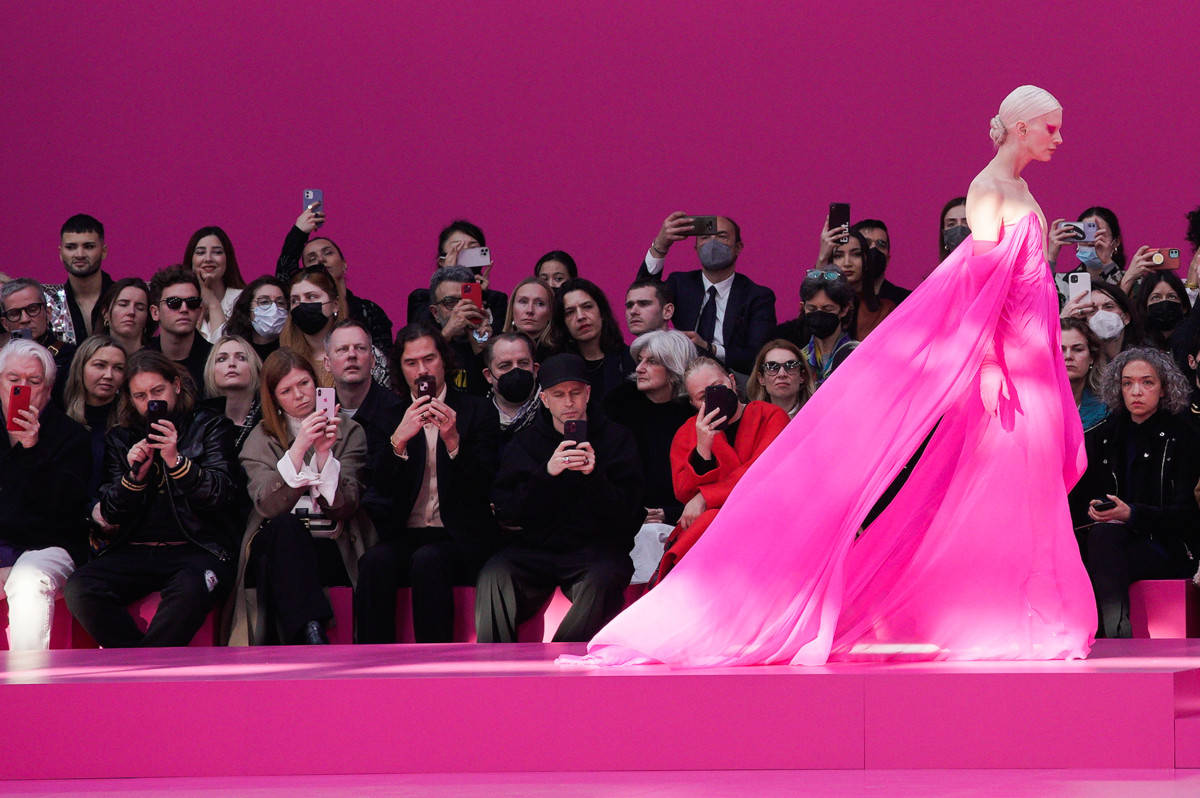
1134 508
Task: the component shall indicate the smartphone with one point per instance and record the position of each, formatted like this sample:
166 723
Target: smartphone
1078 283
156 410
1165 259
703 226
475 258
1083 232
723 397
839 214
473 292
327 402
425 386
1105 504
312 195
22 332
18 399
575 429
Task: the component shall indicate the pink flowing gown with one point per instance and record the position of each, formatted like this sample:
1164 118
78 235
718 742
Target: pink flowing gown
974 559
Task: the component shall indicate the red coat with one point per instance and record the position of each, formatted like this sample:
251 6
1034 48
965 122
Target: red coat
761 422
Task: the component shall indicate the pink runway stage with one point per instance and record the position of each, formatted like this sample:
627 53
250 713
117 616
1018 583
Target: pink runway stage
473 708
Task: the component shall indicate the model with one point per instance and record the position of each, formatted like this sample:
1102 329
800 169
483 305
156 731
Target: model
975 558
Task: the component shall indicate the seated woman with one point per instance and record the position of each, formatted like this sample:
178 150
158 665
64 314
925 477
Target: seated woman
1134 509
1109 314
259 314
90 396
779 377
1103 259
304 473
584 321
710 456
231 380
1082 357
827 304
952 227
1161 305
209 254
455 237
654 406
124 313
531 311
862 265
555 268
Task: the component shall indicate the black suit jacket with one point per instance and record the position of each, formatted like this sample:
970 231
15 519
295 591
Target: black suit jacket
464 483
749 313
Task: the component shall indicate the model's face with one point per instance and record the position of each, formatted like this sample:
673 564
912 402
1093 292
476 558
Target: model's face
348 356
644 312
296 394
553 273
848 258
531 309
582 315
26 371
781 375
651 374
1141 389
1105 244
231 367
149 385
420 359
130 312
81 253
1075 354
567 401
1044 134
208 259
179 320
700 379
28 306
103 374
956 216
877 238
322 252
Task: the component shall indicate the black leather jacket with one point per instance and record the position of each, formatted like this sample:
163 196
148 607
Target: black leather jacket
202 491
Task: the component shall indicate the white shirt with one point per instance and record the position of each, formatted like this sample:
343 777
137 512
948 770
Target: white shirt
227 302
654 265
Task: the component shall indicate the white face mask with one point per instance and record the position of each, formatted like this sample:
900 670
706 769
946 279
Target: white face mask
269 320
1106 324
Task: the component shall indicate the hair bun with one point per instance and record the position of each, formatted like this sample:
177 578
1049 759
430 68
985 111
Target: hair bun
997 130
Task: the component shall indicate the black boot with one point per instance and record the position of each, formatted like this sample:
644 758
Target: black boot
314 634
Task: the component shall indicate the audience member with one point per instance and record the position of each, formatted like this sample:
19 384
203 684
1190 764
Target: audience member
452 240
90 397
555 268
172 478
1143 461
1085 365
860 264
531 312
586 324
722 311
124 313
952 226
828 302
444 459
709 456
72 304
259 314
23 302
1191 357
209 254
175 304
649 306
231 376
653 406
780 377
876 233
463 324
570 509
44 474
303 470
1193 238
1104 259
1108 312
1160 307
511 369
321 251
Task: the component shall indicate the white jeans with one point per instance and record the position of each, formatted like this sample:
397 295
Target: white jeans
648 547
31 584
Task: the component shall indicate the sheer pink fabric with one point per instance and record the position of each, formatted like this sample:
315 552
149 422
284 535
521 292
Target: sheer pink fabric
974 559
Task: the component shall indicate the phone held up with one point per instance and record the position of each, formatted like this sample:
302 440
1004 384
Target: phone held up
703 226
475 258
720 397
311 197
575 429
473 293
156 411
1165 259
18 400
1081 232
327 402
839 216
1078 283
424 385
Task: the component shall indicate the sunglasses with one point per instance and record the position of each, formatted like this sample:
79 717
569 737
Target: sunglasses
823 274
770 367
32 311
176 302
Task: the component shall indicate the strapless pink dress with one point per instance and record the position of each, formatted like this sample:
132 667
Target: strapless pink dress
974 559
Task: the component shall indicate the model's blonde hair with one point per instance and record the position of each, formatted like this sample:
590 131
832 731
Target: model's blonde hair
1022 104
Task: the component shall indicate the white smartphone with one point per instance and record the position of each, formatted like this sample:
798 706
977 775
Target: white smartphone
1078 283
327 401
475 257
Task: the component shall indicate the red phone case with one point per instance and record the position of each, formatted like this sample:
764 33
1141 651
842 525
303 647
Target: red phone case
474 293
18 399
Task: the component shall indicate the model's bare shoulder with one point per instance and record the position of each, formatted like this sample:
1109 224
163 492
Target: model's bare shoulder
985 204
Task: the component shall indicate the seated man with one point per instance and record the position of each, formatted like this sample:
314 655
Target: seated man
463 325
723 312
298 251
709 456
443 459
171 484
827 307
26 315
649 306
45 467
455 238
511 370
571 507
81 249
176 305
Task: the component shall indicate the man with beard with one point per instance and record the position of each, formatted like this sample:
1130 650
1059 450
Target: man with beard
72 304
725 314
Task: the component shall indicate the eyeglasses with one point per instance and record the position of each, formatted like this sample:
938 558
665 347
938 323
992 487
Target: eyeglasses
266 302
770 367
448 302
32 310
823 274
176 302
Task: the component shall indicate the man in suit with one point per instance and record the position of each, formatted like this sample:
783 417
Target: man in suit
725 314
445 452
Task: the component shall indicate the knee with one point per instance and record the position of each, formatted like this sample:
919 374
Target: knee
431 559
28 580
193 586
495 572
80 588
1107 539
608 573
376 563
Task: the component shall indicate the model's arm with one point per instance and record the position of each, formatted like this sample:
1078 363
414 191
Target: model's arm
985 201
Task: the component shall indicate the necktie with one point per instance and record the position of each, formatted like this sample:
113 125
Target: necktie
707 326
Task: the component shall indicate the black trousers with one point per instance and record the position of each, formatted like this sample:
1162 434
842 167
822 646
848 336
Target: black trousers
1115 558
288 567
192 581
515 583
427 560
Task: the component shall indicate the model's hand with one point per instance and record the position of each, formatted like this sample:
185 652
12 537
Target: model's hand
312 218
830 240
992 386
1081 306
706 431
674 228
1121 513
692 511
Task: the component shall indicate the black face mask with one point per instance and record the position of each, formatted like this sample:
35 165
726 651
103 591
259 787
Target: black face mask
953 236
1164 315
515 385
822 323
309 318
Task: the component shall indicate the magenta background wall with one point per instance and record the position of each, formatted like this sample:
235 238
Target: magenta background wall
573 126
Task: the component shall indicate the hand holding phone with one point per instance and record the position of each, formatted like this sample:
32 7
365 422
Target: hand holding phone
575 429
839 216
313 196
1103 505
1078 283
18 400
722 398
425 385
327 402
703 226
473 292
156 410
475 258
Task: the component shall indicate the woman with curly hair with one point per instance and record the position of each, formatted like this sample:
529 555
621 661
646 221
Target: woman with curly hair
1134 509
